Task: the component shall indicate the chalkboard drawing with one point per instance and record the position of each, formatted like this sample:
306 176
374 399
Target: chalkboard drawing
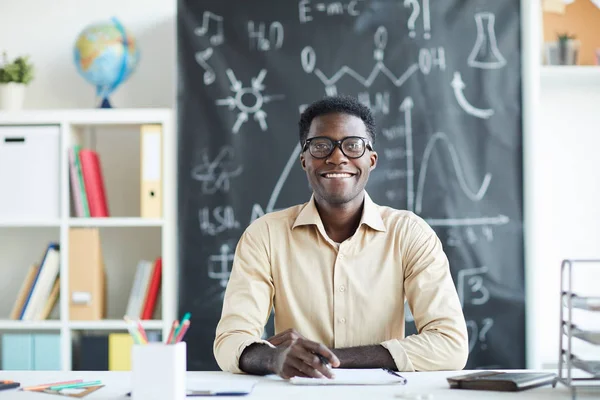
224 218
443 138
309 59
485 53
305 10
259 41
215 175
458 85
219 265
475 334
257 210
470 283
202 58
249 100
414 15
217 38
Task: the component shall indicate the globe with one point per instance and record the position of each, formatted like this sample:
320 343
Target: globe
106 54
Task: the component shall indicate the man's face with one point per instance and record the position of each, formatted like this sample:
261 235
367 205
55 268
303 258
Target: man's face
338 179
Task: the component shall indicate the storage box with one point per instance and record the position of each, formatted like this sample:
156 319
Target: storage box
29 173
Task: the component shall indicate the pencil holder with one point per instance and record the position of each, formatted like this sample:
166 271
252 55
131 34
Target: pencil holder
158 371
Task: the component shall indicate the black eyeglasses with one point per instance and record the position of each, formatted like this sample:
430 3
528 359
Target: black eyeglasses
351 146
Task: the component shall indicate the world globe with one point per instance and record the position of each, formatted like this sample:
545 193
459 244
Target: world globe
106 54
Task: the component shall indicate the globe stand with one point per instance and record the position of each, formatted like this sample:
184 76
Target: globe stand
105 103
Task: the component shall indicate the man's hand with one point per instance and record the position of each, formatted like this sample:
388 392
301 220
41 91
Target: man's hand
297 356
285 337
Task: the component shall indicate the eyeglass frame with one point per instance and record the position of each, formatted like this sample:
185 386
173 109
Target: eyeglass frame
338 143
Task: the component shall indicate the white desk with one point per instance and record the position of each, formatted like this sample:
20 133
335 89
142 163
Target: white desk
434 383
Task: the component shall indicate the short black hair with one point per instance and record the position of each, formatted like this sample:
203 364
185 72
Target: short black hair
336 104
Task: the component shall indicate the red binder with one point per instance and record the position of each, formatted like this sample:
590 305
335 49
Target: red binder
94 183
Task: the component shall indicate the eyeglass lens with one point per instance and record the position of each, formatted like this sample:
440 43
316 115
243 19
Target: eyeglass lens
353 147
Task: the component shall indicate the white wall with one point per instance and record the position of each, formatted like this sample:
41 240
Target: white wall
565 203
563 210
46 30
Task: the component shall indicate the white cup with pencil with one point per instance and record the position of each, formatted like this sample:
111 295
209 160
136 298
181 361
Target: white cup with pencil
159 368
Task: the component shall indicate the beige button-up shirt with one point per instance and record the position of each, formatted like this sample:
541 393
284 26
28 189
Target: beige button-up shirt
347 295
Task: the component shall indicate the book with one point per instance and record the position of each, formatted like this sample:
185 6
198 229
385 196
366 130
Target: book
501 381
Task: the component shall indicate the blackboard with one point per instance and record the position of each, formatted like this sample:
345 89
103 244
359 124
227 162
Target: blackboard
444 81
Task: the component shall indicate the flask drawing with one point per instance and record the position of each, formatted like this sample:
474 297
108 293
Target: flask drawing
485 53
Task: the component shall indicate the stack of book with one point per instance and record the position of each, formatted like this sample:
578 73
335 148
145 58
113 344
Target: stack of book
39 292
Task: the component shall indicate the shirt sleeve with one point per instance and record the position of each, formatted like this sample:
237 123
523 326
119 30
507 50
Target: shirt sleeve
247 303
442 341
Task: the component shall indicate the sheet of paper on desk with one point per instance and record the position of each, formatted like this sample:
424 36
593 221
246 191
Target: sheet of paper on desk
343 376
220 388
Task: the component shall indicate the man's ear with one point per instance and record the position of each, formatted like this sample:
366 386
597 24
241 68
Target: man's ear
373 159
303 162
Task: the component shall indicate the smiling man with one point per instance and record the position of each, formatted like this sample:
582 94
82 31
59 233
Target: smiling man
338 269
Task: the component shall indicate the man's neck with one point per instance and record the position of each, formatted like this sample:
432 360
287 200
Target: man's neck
341 221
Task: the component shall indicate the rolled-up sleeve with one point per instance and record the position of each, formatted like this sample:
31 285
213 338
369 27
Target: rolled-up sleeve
247 303
441 342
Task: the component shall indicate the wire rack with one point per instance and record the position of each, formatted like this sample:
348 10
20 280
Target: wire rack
573 371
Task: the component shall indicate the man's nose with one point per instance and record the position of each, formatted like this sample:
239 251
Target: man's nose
337 156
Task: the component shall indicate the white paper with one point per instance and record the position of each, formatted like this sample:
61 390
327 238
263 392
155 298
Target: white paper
353 377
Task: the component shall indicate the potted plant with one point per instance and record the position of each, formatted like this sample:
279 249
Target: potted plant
564 51
15 75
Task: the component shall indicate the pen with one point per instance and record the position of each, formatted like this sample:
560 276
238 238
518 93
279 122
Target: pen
324 361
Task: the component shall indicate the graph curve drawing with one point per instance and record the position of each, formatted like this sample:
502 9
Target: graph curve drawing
473 195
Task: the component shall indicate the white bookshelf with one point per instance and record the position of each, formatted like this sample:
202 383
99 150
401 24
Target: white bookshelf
587 74
122 229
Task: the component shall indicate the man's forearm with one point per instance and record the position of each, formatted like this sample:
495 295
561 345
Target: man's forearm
257 359
375 356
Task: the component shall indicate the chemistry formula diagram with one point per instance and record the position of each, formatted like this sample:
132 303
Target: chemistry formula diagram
249 104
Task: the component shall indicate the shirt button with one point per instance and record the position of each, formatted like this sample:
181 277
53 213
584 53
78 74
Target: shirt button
342 320
340 256
342 288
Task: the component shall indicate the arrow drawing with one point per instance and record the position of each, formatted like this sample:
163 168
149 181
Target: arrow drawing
406 107
458 85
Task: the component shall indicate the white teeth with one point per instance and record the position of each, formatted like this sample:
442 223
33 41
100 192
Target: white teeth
338 175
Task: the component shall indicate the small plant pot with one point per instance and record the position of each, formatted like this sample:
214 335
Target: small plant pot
562 52
12 96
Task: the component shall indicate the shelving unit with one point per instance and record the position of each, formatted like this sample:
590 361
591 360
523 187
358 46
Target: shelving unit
124 232
574 371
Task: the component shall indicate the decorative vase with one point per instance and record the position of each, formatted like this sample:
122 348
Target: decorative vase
562 52
12 96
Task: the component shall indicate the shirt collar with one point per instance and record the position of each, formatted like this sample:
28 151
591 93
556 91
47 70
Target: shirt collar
309 215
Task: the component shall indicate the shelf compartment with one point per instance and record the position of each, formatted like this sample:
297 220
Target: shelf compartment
587 336
591 367
582 303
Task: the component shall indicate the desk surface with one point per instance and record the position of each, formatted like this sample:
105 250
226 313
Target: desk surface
117 384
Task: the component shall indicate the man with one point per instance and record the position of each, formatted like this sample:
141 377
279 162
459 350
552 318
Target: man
337 271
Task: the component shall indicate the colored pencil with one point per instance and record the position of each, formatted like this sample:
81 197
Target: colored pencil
172 333
182 331
75 385
47 385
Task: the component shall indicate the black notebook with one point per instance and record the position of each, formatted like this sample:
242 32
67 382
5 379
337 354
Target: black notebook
501 381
